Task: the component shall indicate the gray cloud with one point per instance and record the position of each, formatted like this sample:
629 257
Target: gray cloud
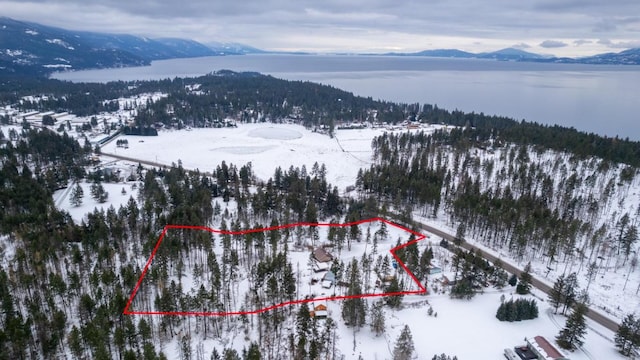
339 24
521 46
582 42
605 25
626 44
620 44
552 44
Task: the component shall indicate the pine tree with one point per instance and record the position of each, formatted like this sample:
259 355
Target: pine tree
444 357
524 286
76 195
501 314
499 275
627 338
185 348
404 345
102 198
215 355
556 295
377 319
353 308
303 320
571 289
462 290
572 335
394 301
231 354
520 309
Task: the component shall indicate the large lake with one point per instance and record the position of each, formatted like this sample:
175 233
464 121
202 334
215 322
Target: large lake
593 98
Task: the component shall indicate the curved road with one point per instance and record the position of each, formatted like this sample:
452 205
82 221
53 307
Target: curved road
592 314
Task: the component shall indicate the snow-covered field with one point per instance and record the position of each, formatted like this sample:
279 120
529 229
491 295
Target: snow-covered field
266 146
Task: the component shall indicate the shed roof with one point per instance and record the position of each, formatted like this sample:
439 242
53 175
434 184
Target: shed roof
548 350
329 276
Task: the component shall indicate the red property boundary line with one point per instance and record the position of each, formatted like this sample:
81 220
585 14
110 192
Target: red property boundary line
419 237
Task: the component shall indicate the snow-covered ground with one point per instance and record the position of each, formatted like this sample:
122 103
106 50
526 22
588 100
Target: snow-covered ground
266 146
116 199
467 329
309 280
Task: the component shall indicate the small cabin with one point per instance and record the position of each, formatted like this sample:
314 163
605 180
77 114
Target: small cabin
319 312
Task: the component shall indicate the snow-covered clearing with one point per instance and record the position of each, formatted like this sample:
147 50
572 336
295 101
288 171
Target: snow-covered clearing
116 199
266 146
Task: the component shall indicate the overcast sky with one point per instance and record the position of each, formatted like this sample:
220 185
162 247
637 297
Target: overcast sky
559 27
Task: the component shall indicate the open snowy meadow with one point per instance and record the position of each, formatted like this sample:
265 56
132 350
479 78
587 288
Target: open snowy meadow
266 146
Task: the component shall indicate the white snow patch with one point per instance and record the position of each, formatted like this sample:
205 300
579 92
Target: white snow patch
56 66
61 43
244 150
275 133
13 52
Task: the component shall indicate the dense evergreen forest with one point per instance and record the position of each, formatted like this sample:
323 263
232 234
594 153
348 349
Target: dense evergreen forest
66 288
535 203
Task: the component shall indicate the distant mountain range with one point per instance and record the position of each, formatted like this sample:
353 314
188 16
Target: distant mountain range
504 54
626 57
30 48
34 49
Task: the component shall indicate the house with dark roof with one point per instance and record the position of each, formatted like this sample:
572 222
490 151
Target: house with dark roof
321 255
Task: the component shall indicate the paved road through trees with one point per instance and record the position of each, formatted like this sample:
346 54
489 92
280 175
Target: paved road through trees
593 314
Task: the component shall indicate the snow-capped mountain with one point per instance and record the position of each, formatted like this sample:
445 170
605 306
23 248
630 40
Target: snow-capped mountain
30 48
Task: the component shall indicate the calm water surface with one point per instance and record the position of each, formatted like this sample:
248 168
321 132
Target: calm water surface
602 99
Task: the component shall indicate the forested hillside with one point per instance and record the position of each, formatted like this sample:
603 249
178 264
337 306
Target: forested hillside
533 203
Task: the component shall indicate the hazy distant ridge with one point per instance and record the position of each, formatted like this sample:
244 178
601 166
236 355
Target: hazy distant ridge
626 57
